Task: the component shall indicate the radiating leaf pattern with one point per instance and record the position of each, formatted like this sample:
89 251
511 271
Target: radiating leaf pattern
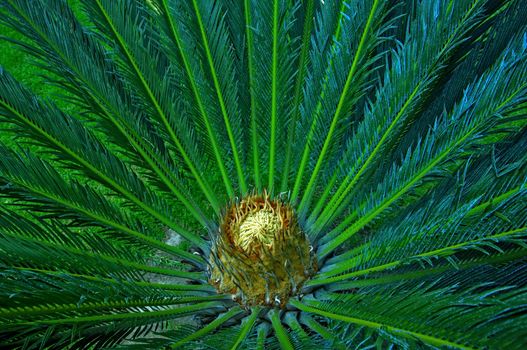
396 130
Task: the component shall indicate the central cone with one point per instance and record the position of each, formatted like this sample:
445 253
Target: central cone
258 228
260 256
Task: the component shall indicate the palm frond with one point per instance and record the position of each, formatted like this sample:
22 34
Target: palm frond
412 71
71 142
43 189
286 174
221 65
369 24
303 61
485 105
90 77
122 31
457 314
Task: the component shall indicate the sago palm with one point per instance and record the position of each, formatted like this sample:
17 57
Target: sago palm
260 174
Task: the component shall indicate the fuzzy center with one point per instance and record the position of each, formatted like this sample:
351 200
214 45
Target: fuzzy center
258 227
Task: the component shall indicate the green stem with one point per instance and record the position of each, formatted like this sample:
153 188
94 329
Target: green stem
438 342
149 241
274 97
445 251
302 65
279 330
493 201
241 176
321 202
177 312
342 99
155 103
209 327
246 328
306 153
251 72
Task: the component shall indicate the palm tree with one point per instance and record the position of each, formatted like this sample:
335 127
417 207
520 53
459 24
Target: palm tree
263 174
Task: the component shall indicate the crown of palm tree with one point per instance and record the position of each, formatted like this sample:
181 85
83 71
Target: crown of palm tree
334 174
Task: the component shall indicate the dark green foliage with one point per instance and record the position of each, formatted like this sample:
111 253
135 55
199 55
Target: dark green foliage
396 129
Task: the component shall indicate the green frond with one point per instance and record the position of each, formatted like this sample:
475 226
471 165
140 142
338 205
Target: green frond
85 303
82 64
135 54
209 118
21 250
485 105
262 332
72 143
247 327
43 189
303 61
491 36
252 94
324 332
208 328
300 338
371 28
421 270
448 233
163 162
414 68
452 319
221 66
273 81
281 333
